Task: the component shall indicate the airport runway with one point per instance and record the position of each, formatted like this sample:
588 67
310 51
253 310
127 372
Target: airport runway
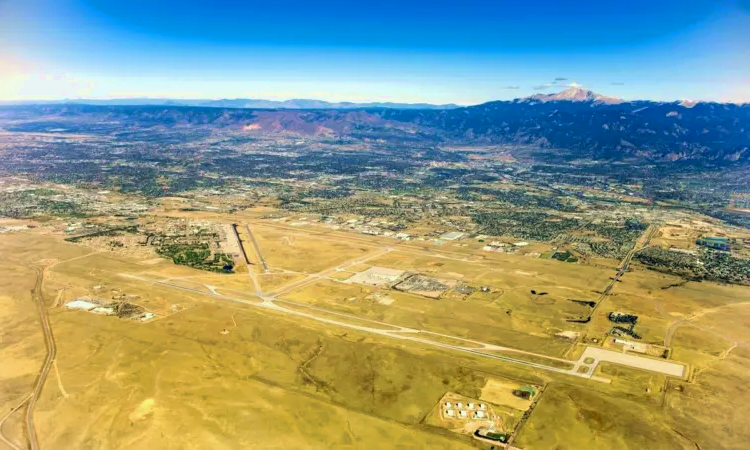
413 335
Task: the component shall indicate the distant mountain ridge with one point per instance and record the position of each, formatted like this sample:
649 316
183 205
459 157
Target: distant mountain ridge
247 103
575 124
574 94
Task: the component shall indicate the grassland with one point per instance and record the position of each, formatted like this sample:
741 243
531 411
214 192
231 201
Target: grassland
278 381
572 417
309 254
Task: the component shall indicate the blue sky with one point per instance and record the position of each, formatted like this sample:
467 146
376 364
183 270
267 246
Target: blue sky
413 51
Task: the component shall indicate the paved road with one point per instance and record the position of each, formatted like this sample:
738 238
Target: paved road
49 341
642 242
5 440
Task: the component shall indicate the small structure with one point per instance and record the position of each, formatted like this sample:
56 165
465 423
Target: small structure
448 405
716 243
472 406
463 414
524 392
479 414
376 276
81 304
450 413
423 285
452 236
637 347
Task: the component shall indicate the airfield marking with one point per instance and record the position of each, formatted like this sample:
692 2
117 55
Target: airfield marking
406 333
257 249
324 273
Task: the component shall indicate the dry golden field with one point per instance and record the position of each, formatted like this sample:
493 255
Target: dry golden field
212 373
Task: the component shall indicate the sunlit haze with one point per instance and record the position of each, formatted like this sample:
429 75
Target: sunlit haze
418 51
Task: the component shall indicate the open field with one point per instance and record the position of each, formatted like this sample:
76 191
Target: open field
275 380
500 392
308 254
569 417
441 316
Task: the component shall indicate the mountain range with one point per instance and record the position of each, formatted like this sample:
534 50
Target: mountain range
572 125
300 103
573 93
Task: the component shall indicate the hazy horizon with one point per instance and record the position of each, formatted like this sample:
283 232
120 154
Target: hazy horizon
341 52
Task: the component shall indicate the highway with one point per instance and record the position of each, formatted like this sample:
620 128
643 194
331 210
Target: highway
5 440
49 341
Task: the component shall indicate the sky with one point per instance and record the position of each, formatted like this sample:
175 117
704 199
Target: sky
464 52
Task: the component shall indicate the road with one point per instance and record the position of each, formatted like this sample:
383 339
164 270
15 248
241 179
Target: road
5 440
49 341
622 269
